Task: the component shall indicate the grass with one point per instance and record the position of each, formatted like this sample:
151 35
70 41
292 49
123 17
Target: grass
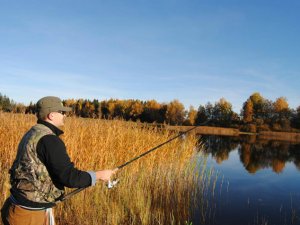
160 188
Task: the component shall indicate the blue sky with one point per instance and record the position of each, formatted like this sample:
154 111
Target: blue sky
193 51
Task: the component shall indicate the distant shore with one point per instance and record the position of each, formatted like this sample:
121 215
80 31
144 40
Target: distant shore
269 135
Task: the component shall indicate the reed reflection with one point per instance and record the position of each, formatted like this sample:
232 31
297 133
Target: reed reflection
255 154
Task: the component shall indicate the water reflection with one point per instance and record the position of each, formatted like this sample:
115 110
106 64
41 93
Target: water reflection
255 154
258 181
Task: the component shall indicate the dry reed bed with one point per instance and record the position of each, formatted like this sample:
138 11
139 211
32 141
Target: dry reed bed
158 189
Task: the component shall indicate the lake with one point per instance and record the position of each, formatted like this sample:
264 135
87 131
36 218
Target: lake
258 182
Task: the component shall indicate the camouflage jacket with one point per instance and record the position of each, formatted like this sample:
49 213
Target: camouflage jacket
28 175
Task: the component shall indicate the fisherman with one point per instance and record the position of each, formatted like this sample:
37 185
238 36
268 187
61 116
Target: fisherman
42 168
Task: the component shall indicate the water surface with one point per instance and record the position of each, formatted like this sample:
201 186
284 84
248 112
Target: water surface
258 182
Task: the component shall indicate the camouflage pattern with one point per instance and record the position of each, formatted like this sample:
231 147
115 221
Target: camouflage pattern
28 175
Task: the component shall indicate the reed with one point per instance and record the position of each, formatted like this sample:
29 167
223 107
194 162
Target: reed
161 188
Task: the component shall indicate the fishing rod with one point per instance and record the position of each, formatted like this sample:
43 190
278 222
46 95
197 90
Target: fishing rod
111 184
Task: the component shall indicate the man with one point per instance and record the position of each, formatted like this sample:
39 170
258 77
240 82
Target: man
42 169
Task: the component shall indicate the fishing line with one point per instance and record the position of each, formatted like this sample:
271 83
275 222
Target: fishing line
113 183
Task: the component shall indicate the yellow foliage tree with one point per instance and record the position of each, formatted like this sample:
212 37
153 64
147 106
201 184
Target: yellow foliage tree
175 113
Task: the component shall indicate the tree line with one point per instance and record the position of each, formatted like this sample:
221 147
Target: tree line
8 105
257 114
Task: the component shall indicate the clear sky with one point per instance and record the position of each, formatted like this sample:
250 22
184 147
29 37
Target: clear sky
191 50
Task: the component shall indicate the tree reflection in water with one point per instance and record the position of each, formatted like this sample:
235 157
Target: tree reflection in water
255 154
265 197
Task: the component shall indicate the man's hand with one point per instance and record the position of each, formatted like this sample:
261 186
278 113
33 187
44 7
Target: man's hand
105 175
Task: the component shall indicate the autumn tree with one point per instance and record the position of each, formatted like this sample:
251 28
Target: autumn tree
70 103
153 112
282 114
111 104
78 107
134 110
175 113
247 111
263 111
88 109
191 116
247 114
281 108
257 101
222 112
119 109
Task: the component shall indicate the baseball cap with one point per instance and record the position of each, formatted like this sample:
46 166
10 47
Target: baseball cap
49 104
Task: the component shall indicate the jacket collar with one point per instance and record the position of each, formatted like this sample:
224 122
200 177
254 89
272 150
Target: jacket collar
54 129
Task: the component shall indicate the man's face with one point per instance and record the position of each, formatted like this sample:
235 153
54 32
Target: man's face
58 118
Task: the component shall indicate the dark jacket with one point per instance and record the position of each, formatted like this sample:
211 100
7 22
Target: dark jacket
52 152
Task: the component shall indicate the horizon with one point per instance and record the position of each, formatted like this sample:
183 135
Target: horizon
195 52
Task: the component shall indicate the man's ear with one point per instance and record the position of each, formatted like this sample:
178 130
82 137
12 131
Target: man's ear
50 116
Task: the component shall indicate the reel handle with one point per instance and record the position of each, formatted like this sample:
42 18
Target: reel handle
112 183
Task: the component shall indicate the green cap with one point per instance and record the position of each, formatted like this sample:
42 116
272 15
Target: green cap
49 104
